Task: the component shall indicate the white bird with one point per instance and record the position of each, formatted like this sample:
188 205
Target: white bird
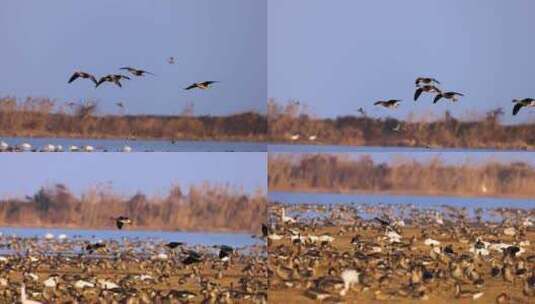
74 148
294 136
62 236
25 147
107 284
81 284
23 297
3 146
51 282
127 149
49 148
88 148
286 219
49 236
312 137
431 242
59 148
275 237
350 277
509 231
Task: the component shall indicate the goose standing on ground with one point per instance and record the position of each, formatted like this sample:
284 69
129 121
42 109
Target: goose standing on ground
80 74
121 221
113 78
201 85
173 245
520 103
453 96
427 89
426 81
389 104
137 72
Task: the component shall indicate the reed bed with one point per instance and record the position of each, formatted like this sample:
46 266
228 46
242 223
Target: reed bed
342 173
204 208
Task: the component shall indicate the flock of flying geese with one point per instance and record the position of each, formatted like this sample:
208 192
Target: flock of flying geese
430 85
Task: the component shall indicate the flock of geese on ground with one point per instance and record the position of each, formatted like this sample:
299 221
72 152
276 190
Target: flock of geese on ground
131 271
430 85
355 253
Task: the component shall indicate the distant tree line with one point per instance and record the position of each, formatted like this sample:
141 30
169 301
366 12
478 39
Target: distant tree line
203 208
341 173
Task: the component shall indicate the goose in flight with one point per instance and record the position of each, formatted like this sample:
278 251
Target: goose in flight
136 72
201 85
453 96
426 81
389 104
113 78
171 60
121 221
427 89
84 75
520 103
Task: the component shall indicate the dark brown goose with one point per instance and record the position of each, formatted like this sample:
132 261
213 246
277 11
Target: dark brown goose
84 75
201 85
121 221
389 104
420 81
113 78
520 103
453 96
426 89
137 72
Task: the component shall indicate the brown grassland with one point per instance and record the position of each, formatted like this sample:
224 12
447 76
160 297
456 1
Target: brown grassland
486 131
43 117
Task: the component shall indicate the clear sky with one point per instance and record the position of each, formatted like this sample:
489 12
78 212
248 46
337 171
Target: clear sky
44 42
151 173
340 55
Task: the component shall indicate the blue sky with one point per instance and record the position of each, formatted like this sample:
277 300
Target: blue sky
151 173
337 56
43 42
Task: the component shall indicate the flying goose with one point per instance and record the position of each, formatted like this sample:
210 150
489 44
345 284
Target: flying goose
426 81
80 74
454 96
171 60
427 89
201 85
136 72
520 103
114 78
392 103
121 221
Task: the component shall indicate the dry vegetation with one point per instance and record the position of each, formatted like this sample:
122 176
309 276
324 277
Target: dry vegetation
45 117
339 173
486 132
204 208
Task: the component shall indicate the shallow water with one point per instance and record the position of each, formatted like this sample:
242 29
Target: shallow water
304 148
190 238
419 201
115 145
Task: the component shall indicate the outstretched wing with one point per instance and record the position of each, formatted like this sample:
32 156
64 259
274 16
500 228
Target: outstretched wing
74 77
437 98
193 86
417 93
377 103
517 108
119 224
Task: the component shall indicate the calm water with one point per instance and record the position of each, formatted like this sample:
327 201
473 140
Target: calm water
115 145
416 200
190 238
303 148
